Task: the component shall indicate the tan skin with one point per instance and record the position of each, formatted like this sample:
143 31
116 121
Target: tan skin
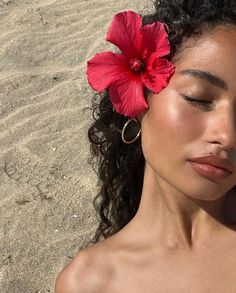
178 240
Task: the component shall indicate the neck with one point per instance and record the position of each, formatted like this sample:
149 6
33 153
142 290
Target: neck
174 220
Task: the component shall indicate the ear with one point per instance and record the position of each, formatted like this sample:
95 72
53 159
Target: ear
140 116
148 95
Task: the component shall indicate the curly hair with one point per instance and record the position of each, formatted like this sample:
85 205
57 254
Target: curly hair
120 167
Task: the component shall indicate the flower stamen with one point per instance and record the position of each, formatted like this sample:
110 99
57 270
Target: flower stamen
136 65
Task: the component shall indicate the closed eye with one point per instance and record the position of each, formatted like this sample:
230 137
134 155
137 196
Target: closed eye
199 104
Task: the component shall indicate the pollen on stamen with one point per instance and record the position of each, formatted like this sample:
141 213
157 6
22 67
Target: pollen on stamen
136 65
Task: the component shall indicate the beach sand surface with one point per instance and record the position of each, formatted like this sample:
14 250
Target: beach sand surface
46 183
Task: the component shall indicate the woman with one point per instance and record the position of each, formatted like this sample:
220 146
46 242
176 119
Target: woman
167 162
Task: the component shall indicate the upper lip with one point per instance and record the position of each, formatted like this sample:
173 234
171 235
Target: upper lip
215 161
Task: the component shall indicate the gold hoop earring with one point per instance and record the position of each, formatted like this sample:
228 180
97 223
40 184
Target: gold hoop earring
124 128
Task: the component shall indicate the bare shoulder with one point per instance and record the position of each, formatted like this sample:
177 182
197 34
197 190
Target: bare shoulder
88 272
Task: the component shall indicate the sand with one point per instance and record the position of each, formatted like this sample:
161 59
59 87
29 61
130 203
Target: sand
46 183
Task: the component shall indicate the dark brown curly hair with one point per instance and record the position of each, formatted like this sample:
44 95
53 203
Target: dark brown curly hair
120 167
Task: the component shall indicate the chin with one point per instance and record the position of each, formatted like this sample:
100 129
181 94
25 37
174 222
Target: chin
205 193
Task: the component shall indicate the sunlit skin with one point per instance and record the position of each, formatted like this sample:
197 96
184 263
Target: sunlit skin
178 240
182 208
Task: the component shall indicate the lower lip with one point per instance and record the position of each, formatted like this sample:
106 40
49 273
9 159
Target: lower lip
209 170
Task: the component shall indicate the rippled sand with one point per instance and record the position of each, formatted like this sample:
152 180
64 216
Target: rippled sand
46 184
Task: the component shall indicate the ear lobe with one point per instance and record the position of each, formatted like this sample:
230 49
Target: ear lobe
141 115
147 94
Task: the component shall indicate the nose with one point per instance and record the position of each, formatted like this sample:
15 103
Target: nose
223 128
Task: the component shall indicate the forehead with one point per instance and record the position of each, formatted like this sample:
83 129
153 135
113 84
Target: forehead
214 52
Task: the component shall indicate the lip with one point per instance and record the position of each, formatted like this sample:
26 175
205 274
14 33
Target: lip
215 161
210 171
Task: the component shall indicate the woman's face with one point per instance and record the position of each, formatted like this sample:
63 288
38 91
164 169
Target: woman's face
175 130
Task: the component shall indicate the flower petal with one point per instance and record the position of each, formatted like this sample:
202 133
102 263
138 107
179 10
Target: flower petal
158 74
127 96
105 68
155 39
125 33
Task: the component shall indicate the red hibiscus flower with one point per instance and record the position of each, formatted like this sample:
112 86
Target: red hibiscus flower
140 63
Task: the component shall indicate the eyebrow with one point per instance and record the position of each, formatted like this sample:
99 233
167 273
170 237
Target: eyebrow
208 76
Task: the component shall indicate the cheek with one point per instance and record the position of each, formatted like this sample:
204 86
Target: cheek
181 121
169 125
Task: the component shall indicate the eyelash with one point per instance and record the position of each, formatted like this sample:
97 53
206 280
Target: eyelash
199 104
